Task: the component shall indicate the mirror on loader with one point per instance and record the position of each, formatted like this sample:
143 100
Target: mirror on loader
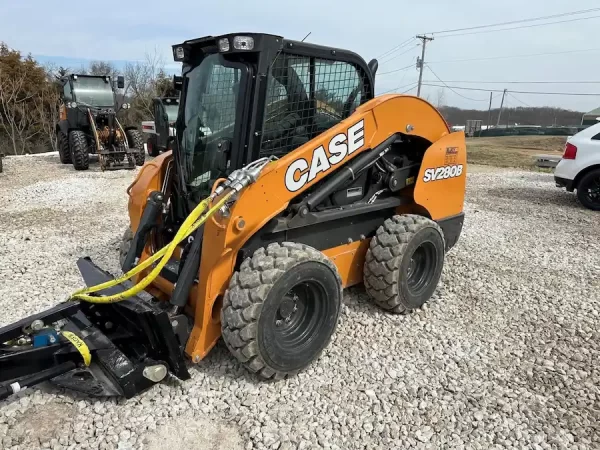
120 82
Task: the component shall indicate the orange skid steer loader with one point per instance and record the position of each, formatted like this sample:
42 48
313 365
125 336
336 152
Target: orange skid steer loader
288 181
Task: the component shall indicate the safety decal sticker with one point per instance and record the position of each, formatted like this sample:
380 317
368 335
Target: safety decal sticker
451 156
443 173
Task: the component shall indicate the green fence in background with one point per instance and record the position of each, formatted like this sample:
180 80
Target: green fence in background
533 131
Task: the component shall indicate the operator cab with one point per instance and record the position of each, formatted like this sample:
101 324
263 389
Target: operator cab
247 95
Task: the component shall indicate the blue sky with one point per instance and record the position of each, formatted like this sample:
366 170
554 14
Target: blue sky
72 36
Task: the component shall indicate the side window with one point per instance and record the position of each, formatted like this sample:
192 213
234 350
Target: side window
67 92
288 113
295 111
338 90
596 138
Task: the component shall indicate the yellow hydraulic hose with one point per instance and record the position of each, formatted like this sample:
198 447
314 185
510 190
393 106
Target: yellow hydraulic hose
191 223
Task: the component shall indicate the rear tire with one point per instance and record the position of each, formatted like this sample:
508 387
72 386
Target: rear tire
64 153
281 309
152 145
136 141
588 190
404 262
79 150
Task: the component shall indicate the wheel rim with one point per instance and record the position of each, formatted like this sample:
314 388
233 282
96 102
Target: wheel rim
300 316
421 268
592 191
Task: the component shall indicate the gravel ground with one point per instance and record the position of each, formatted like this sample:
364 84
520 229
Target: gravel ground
505 355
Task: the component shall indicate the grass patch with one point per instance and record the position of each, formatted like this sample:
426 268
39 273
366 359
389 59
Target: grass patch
513 151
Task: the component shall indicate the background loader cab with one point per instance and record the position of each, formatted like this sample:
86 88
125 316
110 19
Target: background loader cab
161 130
88 124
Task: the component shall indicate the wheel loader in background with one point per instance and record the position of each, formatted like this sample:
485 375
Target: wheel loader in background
289 181
161 130
88 124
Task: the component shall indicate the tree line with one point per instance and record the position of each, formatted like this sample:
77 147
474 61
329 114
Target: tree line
544 116
30 96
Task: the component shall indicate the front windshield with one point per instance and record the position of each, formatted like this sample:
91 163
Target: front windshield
209 119
172 111
93 91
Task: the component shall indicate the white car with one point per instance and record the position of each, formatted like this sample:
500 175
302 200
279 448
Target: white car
579 168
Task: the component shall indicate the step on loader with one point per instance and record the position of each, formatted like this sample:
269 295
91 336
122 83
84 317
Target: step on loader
88 124
288 181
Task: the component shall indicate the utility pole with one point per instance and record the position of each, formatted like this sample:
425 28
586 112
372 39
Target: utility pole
421 62
489 121
501 106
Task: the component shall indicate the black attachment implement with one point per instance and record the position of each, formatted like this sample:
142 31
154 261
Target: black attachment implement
133 345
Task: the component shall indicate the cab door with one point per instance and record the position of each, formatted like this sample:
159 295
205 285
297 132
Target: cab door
161 121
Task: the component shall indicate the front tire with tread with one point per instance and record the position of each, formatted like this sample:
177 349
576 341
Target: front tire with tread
135 140
79 150
389 263
255 297
64 152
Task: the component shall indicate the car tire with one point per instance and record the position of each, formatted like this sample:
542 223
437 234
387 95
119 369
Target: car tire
588 190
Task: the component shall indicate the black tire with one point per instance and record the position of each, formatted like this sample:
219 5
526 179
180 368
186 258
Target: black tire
64 152
588 190
79 150
125 245
153 149
404 262
136 141
287 279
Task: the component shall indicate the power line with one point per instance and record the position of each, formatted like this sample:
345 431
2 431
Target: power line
397 47
403 53
517 92
522 82
519 100
413 84
460 95
514 56
397 70
519 27
534 19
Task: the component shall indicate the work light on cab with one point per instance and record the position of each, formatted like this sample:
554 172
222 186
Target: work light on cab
243 43
224 45
179 53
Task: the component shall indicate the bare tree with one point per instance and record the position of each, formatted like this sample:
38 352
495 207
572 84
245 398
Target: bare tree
15 118
47 105
102 68
144 81
441 98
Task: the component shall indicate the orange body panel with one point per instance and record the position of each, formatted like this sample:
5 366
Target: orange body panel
148 179
443 196
284 179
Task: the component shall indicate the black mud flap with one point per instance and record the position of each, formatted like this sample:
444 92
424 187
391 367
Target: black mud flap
133 345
